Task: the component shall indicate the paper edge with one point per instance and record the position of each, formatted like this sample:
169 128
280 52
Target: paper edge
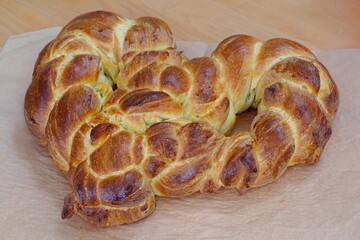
209 47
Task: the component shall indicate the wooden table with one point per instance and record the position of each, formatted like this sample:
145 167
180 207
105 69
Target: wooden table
321 24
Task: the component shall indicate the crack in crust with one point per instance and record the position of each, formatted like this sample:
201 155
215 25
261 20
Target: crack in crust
126 116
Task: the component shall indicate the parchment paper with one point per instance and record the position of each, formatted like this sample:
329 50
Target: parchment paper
307 202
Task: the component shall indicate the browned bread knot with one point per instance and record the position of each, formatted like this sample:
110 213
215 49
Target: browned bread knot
126 117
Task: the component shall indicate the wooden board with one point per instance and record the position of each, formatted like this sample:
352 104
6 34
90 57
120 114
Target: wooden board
322 24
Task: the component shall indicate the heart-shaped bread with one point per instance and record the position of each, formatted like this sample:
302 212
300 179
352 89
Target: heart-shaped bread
125 116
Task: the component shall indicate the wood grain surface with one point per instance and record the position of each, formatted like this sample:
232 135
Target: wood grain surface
321 24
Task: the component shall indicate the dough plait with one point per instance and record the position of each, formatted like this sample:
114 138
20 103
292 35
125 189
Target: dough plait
125 116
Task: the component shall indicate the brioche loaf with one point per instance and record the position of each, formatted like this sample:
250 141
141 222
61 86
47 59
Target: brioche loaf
126 116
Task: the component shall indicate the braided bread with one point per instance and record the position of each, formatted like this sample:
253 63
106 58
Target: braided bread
126 117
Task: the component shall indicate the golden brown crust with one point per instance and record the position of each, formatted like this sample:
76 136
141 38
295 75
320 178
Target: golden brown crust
38 98
126 117
81 69
72 109
174 80
234 55
274 143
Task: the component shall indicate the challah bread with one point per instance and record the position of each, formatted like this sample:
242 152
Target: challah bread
126 117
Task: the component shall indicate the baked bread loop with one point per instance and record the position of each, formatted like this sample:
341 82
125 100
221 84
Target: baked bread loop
125 116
